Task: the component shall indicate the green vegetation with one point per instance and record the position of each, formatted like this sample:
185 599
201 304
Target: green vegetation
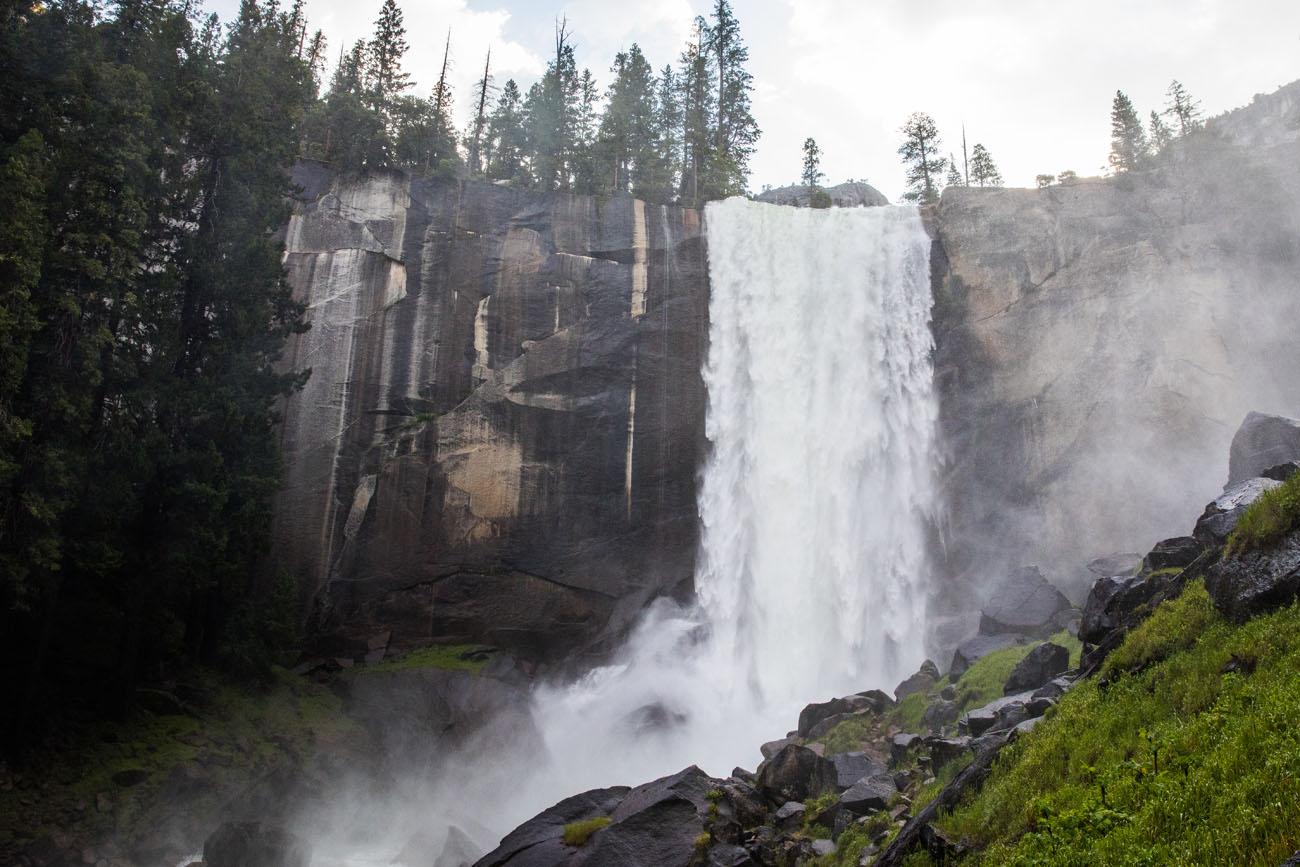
449 657
813 807
108 774
1173 626
1275 514
907 713
1190 756
848 734
579 832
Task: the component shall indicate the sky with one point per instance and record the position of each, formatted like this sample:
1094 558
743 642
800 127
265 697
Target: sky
1032 80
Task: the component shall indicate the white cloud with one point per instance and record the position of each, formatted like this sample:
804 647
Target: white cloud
1031 79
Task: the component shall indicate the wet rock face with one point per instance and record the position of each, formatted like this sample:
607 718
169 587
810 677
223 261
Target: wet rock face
1098 344
1263 441
499 439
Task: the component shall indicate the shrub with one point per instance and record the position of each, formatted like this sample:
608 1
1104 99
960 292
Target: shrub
577 833
1268 519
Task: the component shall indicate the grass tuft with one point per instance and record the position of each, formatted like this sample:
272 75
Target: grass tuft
1268 519
449 657
579 832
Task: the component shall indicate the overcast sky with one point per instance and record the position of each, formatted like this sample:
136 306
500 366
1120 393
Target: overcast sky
1031 79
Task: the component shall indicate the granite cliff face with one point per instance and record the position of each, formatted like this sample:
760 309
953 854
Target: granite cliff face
499 438
1098 344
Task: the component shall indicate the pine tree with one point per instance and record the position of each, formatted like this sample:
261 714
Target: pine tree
507 137
1128 140
812 160
919 150
697 109
1161 135
587 176
663 176
474 137
1185 110
735 130
386 81
984 172
954 173
550 110
627 130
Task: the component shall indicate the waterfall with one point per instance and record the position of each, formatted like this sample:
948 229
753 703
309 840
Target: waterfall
814 501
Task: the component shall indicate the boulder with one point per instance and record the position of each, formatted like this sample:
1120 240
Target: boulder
901 744
939 714
728 855
542 836
789 816
771 748
1024 603
825 726
873 700
869 793
1112 603
1115 564
992 715
1040 665
823 848
1282 471
927 677
656 823
1221 516
253 844
974 649
1176 553
1054 689
851 767
945 750
795 774
1261 442
1256 582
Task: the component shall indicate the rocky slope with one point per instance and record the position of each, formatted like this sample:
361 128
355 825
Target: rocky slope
1099 342
499 438
869 779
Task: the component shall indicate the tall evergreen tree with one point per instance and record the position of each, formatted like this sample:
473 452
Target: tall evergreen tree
662 176
1185 110
983 171
1161 135
507 137
550 108
920 153
627 130
812 161
587 175
735 130
1128 140
474 137
697 107
954 174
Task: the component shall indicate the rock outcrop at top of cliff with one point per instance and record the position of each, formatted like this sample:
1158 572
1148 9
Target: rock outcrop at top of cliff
499 438
1098 343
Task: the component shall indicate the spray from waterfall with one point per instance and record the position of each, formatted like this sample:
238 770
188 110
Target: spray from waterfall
814 501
